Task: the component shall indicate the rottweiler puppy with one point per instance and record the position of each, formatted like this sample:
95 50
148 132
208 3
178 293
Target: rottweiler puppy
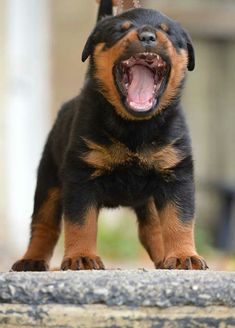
122 142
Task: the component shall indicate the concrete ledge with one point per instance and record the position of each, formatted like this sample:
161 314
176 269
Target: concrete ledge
136 298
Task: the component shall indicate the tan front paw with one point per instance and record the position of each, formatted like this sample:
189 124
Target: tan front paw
194 262
82 262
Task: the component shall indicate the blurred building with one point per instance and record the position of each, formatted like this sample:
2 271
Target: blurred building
40 68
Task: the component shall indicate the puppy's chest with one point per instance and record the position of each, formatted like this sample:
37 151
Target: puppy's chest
107 158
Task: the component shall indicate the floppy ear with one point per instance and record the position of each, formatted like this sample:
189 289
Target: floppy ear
88 48
105 9
191 53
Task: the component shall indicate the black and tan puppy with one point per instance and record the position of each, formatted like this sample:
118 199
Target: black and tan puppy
122 142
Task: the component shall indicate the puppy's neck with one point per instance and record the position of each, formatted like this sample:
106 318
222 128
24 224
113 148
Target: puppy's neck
130 132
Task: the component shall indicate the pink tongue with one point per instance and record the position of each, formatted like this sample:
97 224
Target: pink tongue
140 91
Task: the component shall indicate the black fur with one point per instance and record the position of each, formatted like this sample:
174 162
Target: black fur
109 30
91 116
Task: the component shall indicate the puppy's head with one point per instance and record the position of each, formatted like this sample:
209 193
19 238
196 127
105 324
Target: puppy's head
139 60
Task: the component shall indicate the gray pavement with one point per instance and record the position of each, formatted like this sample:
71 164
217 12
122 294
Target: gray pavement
157 298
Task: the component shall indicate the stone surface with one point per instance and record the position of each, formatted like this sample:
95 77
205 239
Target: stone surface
101 316
159 288
135 298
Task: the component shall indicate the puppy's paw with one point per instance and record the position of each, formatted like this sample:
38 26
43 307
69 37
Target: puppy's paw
194 262
82 262
158 264
30 265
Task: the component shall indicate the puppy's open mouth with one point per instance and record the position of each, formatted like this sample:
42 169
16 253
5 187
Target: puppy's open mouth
142 79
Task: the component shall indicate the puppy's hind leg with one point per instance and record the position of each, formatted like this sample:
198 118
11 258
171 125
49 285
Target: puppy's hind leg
150 232
46 219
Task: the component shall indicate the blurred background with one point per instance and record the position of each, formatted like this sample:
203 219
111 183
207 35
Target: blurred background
40 68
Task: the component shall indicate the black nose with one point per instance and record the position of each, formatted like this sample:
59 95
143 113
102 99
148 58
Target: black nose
147 38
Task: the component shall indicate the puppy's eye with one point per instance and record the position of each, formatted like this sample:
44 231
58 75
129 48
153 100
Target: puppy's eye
126 26
164 27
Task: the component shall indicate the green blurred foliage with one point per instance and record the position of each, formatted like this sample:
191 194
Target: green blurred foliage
118 241
203 240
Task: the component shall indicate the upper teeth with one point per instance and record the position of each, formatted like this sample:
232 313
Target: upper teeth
153 60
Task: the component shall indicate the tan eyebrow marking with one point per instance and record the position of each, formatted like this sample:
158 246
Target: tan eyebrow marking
164 27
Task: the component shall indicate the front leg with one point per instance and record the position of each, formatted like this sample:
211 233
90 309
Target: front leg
177 221
80 228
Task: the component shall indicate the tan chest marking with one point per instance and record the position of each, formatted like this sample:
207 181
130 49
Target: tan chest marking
106 158
161 159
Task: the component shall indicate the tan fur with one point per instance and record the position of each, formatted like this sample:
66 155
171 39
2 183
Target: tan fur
126 25
169 241
178 236
179 63
164 27
150 234
45 230
106 59
162 159
104 63
105 158
80 240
